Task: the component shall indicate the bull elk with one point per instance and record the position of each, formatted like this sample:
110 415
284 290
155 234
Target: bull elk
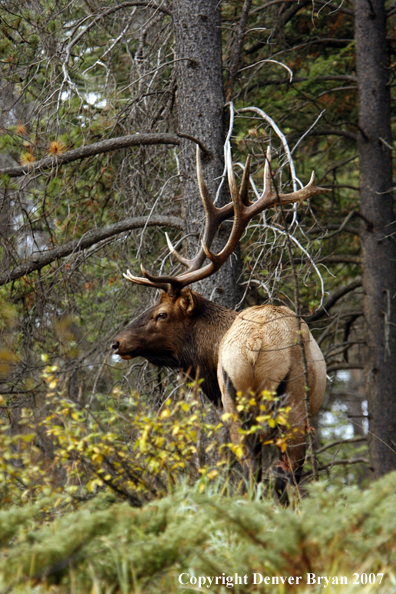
248 352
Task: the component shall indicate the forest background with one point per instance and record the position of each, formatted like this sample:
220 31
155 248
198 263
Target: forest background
102 105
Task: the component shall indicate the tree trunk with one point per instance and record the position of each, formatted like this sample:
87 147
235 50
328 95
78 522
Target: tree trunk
378 247
200 110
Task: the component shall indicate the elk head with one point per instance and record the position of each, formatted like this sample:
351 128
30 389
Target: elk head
157 332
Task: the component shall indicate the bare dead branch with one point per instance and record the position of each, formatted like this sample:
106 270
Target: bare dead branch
297 79
337 228
343 225
333 132
328 41
336 89
105 146
236 52
342 259
201 145
329 466
334 7
340 442
41 259
339 366
344 463
339 164
128 4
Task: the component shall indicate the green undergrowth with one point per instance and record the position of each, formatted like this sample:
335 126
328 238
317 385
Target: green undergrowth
110 547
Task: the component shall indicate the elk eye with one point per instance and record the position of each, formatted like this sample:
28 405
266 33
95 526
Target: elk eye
162 316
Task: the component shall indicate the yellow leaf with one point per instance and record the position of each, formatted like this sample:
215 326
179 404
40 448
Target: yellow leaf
281 443
28 437
238 451
281 420
262 418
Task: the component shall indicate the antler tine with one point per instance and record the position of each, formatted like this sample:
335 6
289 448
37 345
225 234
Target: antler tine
304 193
244 213
244 189
175 253
207 202
213 217
240 220
138 280
235 196
267 173
270 197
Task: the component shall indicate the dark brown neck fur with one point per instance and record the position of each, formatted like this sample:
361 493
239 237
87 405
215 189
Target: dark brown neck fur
210 323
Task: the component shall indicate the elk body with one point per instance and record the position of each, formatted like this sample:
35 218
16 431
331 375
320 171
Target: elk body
246 352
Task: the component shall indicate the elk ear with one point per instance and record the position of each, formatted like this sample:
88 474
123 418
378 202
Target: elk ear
186 300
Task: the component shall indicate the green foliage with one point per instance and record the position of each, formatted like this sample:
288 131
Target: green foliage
108 546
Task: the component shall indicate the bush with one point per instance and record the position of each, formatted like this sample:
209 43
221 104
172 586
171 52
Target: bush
110 547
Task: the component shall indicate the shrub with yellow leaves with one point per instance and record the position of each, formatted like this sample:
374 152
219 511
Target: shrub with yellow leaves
265 418
71 448
121 448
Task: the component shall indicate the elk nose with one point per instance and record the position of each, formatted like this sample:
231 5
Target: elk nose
115 345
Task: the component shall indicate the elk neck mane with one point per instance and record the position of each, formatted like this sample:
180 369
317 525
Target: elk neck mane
200 351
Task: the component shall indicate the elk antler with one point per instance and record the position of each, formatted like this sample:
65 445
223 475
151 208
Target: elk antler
243 211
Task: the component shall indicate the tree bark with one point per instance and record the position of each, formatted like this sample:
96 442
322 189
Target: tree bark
200 107
378 247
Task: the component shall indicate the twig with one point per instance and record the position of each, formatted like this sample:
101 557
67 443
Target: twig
282 137
323 311
320 2
344 463
236 52
201 145
339 366
333 132
341 441
289 80
336 463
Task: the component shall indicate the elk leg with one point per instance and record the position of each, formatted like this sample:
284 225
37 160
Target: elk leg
228 396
